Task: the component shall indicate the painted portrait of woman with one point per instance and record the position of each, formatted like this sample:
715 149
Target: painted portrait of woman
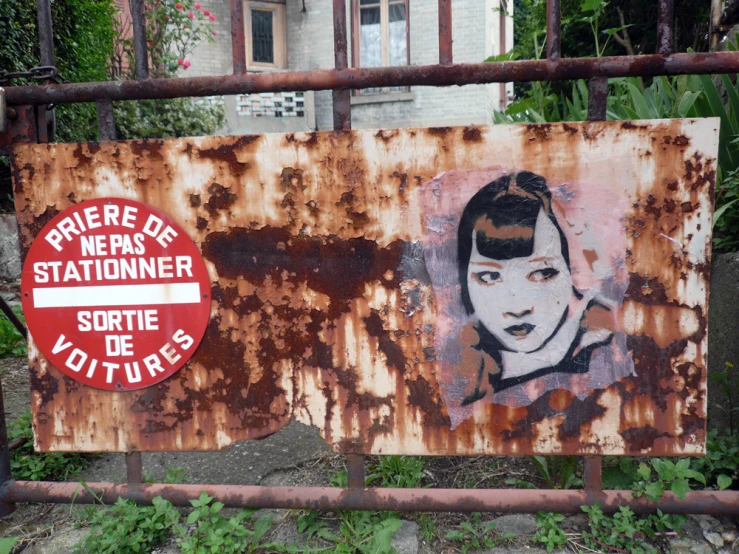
521 318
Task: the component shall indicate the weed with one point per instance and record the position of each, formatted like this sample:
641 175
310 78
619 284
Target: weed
478 535
625 532
26 463
720 466
549 532
674 475
216 533
175 475
559 472
397 472
12 342
366 532
427 524
314 527
125 527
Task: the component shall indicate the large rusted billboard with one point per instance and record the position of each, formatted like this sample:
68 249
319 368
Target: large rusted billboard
479 290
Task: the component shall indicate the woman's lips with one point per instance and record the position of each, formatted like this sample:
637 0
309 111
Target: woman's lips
520 330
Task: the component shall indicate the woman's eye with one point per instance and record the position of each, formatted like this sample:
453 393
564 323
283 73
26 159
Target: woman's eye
487 277
541 275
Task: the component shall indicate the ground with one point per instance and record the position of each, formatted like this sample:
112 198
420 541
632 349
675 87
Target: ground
297 456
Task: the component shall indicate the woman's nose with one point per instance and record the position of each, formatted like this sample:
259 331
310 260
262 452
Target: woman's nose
520 314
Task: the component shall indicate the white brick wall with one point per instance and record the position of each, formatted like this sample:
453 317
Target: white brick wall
310 46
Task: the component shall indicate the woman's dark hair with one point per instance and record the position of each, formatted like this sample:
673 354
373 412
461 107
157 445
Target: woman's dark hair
504 214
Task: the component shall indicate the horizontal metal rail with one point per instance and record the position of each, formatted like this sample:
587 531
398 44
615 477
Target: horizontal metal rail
403 500
358 78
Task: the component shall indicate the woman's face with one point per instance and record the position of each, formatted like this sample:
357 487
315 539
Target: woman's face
521 301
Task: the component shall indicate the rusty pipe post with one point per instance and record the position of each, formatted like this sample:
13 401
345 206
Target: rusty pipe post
342 97
445 32
355 471
141 55
554 29
665 22
238 40
134 469
7 506
106 120
597 98
45 118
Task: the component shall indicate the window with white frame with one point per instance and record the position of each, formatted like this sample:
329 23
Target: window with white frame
380 34
265 24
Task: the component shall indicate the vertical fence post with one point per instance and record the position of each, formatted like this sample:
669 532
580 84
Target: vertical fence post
238 41
106 120
343 122
134 469
341 98
554 29
597 107
46 50
141 55
445 32
665 19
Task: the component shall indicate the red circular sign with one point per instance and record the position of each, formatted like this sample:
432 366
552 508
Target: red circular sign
116 295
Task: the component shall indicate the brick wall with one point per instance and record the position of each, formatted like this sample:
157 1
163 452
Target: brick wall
310 46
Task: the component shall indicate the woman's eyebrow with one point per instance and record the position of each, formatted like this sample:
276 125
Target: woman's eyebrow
542 259
491 264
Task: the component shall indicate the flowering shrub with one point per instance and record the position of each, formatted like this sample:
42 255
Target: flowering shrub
173 30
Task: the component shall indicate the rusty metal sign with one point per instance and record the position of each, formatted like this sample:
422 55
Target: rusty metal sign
479 290
115 294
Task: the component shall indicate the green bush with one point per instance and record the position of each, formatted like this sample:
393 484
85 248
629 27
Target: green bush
12 342
178 117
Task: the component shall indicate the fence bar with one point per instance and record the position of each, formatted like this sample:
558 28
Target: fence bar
141 56
665 20
17 323
355 471
404 500
357 78
134 469
7 506
715 34
445 32
597 98
593 474
45 34
341 98
238 44
106 120
554 30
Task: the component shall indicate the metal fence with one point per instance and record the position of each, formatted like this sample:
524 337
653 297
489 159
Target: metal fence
27 113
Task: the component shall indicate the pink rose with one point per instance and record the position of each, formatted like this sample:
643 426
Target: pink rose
197 6
187 64
180 62
191 15
212 17
215 33
179 6
206 12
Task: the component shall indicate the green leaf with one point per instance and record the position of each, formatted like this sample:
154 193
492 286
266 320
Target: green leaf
7 544
644 471
654 491
724 481
718 213
640 104
686 103
591 5
680 487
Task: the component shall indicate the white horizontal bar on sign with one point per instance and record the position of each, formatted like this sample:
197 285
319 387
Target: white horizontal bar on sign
116 295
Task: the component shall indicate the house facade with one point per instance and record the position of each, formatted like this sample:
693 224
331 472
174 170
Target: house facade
297 35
